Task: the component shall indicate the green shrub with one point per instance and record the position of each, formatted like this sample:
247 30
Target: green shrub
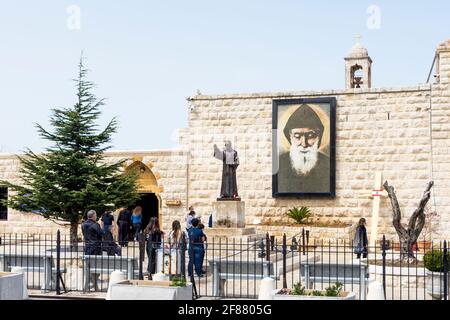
334 290
434 261
298 290
178 282
299 215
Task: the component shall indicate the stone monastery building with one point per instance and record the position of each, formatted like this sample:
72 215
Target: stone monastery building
401 133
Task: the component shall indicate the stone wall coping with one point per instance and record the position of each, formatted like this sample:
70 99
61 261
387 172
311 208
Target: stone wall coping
7 156
294 94
397 271
120 153
156 152
291 228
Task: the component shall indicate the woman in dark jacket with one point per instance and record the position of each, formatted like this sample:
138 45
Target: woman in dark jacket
360 241
153 235
123 222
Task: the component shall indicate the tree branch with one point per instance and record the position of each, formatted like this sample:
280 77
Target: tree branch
419 215
397 216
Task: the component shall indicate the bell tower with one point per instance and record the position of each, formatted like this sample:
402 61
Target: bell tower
358 67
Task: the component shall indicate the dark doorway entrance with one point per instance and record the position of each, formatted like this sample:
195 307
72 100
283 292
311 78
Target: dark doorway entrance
150 207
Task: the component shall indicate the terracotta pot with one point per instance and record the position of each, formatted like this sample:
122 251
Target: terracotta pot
421 246
424 246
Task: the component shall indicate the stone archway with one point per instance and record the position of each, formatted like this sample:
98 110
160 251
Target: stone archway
149 189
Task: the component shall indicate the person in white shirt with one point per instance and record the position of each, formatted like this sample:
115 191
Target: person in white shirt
190 215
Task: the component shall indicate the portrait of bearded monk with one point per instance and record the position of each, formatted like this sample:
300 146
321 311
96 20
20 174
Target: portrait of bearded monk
304 169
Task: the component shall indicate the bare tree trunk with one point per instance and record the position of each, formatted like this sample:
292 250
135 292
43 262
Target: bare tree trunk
406 248
74 236
408 235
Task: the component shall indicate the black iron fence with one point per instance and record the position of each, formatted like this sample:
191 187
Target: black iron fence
233 268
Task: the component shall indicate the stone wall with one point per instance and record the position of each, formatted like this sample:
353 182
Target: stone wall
169 166
441 143
386 130
19 222
341 235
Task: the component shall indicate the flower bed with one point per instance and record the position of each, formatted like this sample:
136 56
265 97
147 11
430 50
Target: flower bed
150 290
300 293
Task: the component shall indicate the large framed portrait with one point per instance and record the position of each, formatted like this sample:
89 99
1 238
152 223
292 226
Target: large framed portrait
304 147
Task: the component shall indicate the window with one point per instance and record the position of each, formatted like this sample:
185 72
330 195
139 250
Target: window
3 209
357 76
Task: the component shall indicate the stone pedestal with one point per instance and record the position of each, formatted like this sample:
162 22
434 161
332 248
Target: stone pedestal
116 277
228 214
11 286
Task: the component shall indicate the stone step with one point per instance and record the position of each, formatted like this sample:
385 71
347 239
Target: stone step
230 235
229 232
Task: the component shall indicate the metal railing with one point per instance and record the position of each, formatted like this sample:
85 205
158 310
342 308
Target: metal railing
230 268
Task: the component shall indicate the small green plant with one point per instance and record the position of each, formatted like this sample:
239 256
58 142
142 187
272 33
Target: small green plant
317 293
298 290
300 215
334 291
178 282
434 261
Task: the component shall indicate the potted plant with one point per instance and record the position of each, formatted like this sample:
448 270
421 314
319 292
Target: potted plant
334 292
434 263
176 289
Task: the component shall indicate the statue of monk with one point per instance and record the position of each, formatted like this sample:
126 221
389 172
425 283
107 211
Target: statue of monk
230 160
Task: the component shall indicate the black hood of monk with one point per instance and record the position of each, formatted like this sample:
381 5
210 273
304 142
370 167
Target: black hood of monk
304 117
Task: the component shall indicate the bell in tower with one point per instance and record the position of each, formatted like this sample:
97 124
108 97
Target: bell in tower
358 67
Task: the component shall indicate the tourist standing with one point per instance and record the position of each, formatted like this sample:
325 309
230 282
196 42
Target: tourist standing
196 249
153 235
201 226
130 225
109 245
123 222
176 239
136 220
92 233
190 215
360 240
107 220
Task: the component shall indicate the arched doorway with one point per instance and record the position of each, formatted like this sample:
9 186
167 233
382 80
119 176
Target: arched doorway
150 207
150 200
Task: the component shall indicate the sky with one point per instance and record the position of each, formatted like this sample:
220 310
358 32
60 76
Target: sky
146 56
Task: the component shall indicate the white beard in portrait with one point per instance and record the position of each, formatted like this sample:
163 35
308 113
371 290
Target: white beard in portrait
303 160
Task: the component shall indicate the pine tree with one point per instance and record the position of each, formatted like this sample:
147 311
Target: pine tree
72 175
